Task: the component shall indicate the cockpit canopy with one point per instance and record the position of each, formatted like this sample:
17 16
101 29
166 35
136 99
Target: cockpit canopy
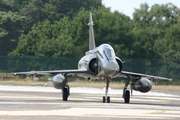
108 51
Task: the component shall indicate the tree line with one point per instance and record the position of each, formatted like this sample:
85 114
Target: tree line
59 28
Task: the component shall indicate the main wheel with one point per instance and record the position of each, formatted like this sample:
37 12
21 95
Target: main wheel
108 99
65 94
104 99
127 96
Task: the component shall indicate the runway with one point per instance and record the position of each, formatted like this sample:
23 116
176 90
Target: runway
44 103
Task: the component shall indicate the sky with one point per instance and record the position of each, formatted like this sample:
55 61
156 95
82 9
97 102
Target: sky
127 6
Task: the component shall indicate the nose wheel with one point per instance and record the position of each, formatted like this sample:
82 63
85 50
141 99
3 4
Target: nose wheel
106 99
126 96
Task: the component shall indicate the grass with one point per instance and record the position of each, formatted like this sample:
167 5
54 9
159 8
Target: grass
80 83
22 83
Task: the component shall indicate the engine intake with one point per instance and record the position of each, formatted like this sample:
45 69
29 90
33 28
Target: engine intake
93 65
119 63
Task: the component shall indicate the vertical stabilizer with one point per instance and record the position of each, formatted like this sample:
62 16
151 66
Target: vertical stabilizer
91 34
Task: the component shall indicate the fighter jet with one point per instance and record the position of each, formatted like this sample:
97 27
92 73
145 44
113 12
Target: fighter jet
100 62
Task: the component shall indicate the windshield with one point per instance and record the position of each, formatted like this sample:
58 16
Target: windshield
109 53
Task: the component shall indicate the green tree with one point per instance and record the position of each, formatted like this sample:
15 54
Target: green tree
72 7
53 10
49 39
113 28
34 14
146 30
10 29
156 33
4 6
150 25
46 39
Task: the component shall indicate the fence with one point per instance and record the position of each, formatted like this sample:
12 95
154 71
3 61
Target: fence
156 67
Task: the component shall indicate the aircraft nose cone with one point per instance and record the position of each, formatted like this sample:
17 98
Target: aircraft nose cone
111 68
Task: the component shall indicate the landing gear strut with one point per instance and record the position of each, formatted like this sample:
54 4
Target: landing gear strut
65 93
126 92
65 90
106 98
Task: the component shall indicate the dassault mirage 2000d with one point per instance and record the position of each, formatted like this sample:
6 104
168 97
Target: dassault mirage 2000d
100 62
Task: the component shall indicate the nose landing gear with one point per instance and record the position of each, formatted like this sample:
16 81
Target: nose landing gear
106 98
126 92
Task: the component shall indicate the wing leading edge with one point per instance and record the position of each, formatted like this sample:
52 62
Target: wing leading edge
125 74
50 72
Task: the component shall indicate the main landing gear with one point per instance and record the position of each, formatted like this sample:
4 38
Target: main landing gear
65 90
65 93
106 98
126 92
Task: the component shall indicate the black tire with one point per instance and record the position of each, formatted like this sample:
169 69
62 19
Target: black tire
108 99
127 96
65 94
104 99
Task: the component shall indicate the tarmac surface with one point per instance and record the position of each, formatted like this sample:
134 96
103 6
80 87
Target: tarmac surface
45 103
